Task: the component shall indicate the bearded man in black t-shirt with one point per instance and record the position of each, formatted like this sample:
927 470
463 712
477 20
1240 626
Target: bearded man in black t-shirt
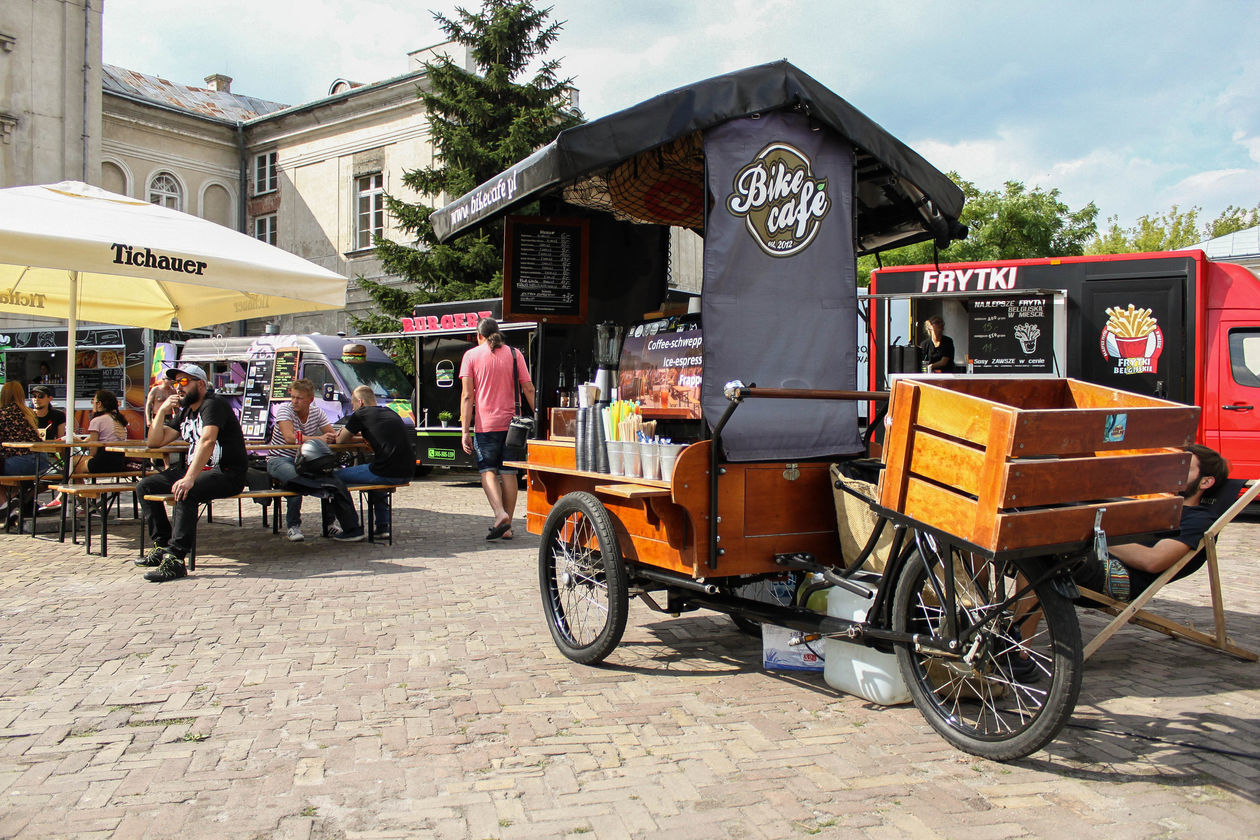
213 468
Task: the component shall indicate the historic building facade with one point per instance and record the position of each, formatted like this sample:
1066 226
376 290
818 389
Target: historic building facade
308 178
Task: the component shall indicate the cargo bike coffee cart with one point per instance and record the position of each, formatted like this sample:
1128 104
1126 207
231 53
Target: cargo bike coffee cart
989 489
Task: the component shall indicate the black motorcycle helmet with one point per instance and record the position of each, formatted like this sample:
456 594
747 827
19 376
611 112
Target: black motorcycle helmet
314 459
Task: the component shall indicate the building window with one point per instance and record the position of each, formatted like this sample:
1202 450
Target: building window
265 229
264 173
165 191
370 209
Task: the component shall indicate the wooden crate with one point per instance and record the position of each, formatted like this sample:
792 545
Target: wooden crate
1018 463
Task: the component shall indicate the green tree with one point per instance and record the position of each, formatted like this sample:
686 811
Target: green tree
1012 223
1231 220
1171 230
481 123
1167 232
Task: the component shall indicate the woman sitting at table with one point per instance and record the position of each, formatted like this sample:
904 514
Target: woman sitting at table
17 425
107 426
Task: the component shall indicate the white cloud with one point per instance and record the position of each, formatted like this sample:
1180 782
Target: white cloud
1110 103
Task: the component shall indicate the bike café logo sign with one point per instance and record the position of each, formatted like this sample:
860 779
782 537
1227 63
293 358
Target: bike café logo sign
1132 340
781 201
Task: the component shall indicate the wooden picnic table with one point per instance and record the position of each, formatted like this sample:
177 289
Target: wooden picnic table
140 449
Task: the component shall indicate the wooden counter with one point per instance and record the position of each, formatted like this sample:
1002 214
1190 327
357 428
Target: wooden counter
766 509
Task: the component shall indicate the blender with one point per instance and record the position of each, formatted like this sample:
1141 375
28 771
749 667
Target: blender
607 358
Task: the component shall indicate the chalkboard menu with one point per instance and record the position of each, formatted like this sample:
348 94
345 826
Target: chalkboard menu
1010 335
87 381
286 367
545 270
256 402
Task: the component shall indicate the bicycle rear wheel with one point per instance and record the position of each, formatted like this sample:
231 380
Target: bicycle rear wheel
999 695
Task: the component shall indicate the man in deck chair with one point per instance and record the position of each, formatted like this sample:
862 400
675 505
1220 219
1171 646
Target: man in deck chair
1131 568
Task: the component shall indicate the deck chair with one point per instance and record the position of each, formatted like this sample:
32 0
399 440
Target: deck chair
1228 504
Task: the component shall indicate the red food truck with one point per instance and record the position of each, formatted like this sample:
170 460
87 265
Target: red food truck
1173 325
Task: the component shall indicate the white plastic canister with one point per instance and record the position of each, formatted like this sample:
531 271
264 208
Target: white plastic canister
855 668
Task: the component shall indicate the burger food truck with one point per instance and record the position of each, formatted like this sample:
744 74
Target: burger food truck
1173 325
440 334
975 525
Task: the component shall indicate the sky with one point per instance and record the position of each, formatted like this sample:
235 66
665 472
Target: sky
1135 105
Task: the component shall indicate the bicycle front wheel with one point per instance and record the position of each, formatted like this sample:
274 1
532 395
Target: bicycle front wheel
583 579
1008 688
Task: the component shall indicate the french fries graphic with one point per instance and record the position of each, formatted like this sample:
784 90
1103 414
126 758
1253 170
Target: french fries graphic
1027 333
1130 323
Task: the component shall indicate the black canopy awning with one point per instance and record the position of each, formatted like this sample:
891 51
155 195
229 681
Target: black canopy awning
899 197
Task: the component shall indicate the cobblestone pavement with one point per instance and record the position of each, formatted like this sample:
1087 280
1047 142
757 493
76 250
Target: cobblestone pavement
357 691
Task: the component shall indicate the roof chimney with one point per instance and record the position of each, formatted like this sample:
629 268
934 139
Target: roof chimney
219 82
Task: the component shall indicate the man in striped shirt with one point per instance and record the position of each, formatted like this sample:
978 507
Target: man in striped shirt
299 414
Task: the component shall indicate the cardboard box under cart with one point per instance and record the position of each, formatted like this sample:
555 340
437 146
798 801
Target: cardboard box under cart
1018 463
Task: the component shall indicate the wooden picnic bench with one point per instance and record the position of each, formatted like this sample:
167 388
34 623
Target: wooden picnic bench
105 494
368 516
270 497
21 482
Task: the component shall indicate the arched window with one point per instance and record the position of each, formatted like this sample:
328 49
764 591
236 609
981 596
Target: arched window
165 190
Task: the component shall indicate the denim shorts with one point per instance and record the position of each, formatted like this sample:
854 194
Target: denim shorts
489 448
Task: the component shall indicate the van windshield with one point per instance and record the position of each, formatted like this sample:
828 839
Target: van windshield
385 379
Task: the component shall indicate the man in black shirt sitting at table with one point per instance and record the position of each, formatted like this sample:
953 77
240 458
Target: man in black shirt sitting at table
50 420
214 467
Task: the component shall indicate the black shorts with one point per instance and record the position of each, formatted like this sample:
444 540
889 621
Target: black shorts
105 462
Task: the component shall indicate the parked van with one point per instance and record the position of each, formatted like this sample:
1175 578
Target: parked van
254 372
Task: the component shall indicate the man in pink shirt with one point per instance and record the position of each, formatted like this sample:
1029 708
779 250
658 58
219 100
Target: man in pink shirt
490 373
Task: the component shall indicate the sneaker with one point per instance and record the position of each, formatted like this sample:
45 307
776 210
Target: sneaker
152 557
356 535
334 531
294 534
172 567
55 504
381 535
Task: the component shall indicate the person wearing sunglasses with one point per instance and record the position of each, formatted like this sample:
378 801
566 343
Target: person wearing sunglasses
213 468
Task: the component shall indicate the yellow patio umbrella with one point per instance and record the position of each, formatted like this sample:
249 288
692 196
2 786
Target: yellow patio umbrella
77 252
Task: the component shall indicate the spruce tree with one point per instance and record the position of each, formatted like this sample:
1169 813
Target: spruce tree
481 123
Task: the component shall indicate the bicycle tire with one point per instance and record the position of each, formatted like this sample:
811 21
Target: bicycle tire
1007 697
582 577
